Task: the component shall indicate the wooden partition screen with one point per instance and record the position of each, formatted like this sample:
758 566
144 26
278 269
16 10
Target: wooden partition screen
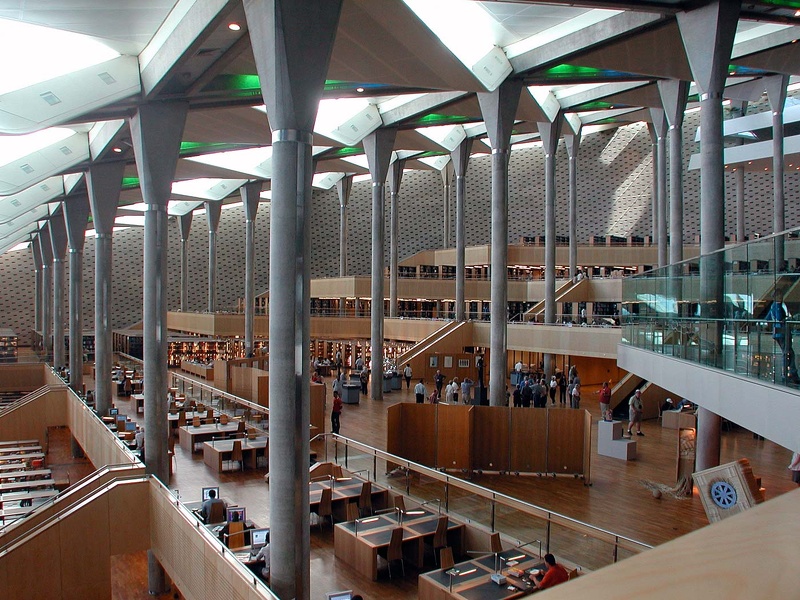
22 377
489 438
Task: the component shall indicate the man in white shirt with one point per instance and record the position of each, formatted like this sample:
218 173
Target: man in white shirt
407 375
419 392
263 554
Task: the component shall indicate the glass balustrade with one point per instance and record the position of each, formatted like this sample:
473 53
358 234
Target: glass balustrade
737 309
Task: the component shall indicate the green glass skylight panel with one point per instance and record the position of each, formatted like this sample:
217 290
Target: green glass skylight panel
439 119
577 72
130 183
597 105
343 152
191 148
782 3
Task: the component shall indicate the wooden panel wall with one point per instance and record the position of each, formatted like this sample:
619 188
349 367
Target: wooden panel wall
418 433
454 436
490 450
565 441
528 440
22 377
31 419
394 431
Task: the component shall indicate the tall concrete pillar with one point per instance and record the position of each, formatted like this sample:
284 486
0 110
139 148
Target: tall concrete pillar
459 158
76 216
395 178
185 226
343 188
498 109
660 129
654 188
378 148
213 212
550 132
251 196
292 91
36 253
447 188
738 173
104 182
58 240
47 292
708 34
776 92
572 141
674 94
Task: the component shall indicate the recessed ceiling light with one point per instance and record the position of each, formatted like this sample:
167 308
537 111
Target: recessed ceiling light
234 26
360 90
117 149
797 13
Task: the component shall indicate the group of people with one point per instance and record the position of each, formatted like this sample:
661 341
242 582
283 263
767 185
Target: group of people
452 391
535 390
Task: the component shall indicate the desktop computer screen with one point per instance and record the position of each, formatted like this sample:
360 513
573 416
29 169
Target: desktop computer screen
259 537
346 595
113 412
208 489
130 426
239 511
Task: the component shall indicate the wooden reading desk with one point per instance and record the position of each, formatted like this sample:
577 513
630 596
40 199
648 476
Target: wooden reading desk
345 491
27 474
18 450
21 457
19 486
357 542
191 435
471 580
19 443
218 451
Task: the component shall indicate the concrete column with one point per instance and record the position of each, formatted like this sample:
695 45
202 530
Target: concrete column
37 292
185 226
251 196
447 186
156 131
378 148
573 143
776 92
459 158
292 91
674 95
47 292
708 34
550 131
343 188
395 178
104 182
213 211
498 109
660 129
58 240
76 216
654 188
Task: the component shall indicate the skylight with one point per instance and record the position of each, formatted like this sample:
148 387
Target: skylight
253 161
590 17
35 54
15 147
207 188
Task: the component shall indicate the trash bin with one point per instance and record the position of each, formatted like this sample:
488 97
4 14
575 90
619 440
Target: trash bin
397 381
387 381
351 393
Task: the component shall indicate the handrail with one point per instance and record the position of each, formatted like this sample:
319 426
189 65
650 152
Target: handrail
31 396
491 495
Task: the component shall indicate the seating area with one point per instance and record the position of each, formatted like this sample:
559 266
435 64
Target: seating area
25 483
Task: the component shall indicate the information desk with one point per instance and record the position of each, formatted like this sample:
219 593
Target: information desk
357 542
471 580
191 435
678 419
218 451
345 491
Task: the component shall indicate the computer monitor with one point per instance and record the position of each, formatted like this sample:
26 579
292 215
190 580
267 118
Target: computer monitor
122 417
206 490
345 595
113 411
259 537
239 511
130 426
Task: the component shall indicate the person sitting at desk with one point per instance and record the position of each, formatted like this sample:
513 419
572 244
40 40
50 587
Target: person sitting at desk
262 554
555 574
205 509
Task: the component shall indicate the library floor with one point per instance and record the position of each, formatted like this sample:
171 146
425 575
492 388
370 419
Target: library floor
618 499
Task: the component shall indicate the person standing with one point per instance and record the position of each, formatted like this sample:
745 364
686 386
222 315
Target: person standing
635 412
562 388
359 364
553 389
438 380
456 387
407 374
794 467
466 390
575 397
419 392
605 399
448 393
363 377
336 413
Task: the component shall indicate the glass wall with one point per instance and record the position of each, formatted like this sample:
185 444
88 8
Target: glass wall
732 310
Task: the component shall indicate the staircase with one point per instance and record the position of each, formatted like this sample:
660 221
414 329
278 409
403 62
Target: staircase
426 343
536 312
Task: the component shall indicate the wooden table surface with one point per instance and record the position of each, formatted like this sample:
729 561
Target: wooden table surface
218 451
191 435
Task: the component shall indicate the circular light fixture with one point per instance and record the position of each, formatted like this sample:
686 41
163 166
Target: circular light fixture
360 90
234 26
117 149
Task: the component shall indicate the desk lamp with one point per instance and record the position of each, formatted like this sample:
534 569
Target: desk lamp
497 576
456 573
367 520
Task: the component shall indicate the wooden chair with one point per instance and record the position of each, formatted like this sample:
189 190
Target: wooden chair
195 421
224 419
325 508
242 427
365 499
235 536
171 451
400 503
352 511
217 514
201 407
440 535
181 419
237 455
495 545
394 551
446 558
